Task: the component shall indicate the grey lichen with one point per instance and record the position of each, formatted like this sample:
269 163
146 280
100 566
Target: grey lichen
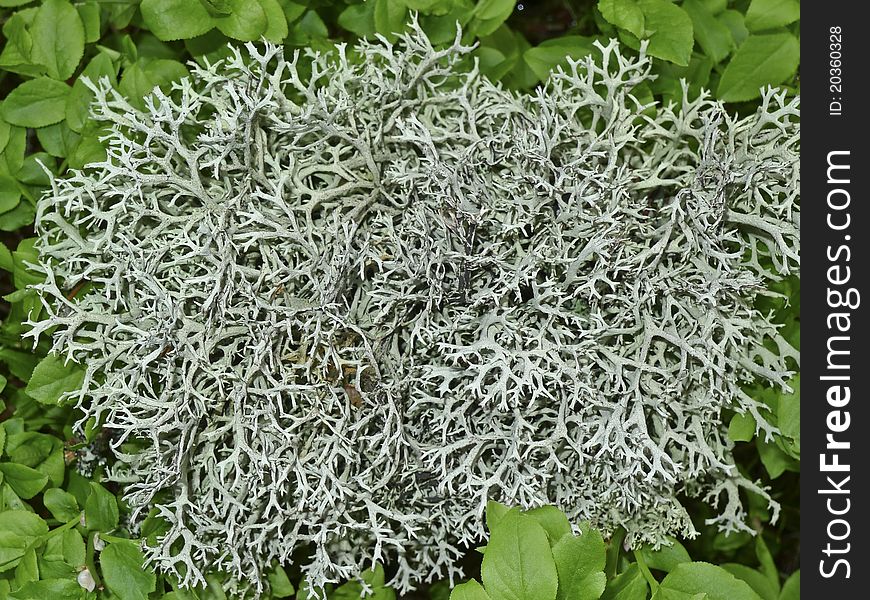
341 300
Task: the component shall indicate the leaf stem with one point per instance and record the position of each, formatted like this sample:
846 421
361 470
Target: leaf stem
641 563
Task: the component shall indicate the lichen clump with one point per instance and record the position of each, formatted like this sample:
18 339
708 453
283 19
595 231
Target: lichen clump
338 301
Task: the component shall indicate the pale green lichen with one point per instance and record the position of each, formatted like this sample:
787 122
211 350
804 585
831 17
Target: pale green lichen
344 309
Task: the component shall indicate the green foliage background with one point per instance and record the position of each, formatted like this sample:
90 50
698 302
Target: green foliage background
62 529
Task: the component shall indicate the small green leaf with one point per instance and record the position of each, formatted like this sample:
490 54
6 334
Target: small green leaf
62 505
36 103
80 97
276 22
548 55
625 14
775 461
176 19
24 481
666 558
246 21
140 78
712 35
580 565
770 14
389 17
52 378
10 193
760 584
58 38
101 509
279 583
121 563
56 589
669 30
18 529
73 548
38 451
89 12
628 585
760 61
470 590
791 589
553 520
58 139
716 582
788 415
518 562
741 428
735 23
359 19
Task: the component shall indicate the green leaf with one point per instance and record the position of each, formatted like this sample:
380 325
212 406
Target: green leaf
10 193
788 415
246 21
625 14
140 78
24 481
89 13
4 134
741 428
16 53
359 19
58 38
712 35
309 27
669 30
760 61
80 97
495 512
765 559
518 563
18 529
716 582
101 509
58 139
36 103
38 451
666 558
775 461
628 585
27 569
390 17
62 505
735 23
52 378
580 565
121 563
276 22
470 590
279 583
555 52
494 9
20 364
176 19
56 589
757 581
553 520
770 14
73 547
489 16
791 589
